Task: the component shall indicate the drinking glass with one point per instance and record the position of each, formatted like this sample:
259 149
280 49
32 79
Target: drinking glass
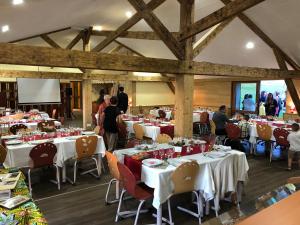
202 147
155 153
161 154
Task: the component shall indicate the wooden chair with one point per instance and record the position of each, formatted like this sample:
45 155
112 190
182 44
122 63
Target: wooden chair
163 138
184 179
264 132
15 128
114 172
137 190
41 125
85 148
43 155
138 131
3 153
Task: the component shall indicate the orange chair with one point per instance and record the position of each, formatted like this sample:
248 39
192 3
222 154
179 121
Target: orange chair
85 148
163 138
43 155
114 172
264 132
138 131
184 179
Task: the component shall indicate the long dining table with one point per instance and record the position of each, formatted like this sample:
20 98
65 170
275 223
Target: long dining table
160 178
18 155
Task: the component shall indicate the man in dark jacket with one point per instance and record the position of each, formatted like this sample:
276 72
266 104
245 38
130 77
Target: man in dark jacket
122 100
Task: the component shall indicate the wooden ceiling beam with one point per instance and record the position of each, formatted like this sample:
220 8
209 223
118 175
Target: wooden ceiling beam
38 35
78 76
159 28
231 9
250 24
75 40
209 37
42 56
125 26
143 35
289 82
49 41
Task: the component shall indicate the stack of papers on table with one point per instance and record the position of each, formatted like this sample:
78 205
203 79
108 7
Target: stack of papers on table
9 181
222 148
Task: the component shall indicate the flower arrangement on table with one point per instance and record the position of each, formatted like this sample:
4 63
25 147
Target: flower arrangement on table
26 214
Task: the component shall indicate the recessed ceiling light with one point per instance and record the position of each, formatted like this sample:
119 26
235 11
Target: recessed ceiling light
250 45
128 14
5 28
98 28
18 2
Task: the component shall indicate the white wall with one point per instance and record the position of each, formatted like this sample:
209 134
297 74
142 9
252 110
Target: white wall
153 93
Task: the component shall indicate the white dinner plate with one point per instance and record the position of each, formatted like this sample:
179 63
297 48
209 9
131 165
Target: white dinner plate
152 162
37 142
88 133
14 142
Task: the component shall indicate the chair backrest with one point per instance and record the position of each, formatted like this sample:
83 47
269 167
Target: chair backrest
112 162
204 117
43 124
163 138
43 154
162 114
281 135
127 178
131 143
138 131
3 153
86 146
122 127
212 127
184 177
15 128
264 132
233 131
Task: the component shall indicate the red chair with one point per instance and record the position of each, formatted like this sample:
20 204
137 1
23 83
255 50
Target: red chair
15 128
280 135
138 191
233 132
43 155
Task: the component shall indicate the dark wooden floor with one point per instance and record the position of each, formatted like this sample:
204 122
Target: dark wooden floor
83 204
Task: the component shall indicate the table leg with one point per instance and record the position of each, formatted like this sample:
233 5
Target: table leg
64 173
159 215
99 164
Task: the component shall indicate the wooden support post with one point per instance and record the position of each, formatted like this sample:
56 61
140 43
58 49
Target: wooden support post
87 102
185 83
289 82
130 89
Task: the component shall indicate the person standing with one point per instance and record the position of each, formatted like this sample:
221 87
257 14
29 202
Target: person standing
279 103
220 119
111 114
102 107
270 105
122 100
294 140
249 104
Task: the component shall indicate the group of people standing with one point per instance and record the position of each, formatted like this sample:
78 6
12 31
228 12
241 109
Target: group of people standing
109 111
270 105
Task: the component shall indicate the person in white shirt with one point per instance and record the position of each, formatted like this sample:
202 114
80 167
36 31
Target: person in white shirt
294 140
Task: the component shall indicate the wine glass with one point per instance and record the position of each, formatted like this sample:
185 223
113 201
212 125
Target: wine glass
202 147
161 154
155 153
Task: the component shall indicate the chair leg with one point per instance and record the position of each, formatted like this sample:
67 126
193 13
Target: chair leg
120 205
138 211
170 212
75 172
57 177
107 192
29 182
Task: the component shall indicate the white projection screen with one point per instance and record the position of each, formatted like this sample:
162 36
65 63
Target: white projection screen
38 91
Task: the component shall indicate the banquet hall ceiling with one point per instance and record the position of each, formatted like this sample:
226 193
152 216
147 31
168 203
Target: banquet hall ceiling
279 19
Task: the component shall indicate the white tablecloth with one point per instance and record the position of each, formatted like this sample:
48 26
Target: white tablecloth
154 112
150 131
160 179
196 116
18 155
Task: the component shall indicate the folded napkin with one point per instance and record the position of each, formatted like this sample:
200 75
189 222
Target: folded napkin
215 155
177 161
222 148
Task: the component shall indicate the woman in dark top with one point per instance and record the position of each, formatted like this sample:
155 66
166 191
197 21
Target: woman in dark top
270 105
111 114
